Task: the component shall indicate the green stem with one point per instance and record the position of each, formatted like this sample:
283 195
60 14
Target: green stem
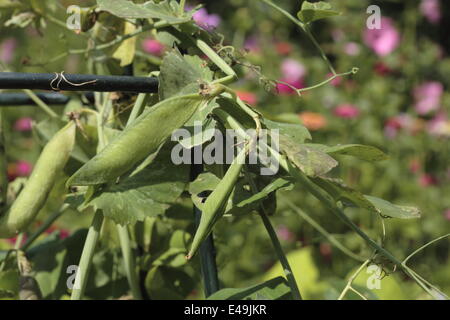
276 243
47 223
86 256
41 104
352 278
321 230
215 58
129 261
3 166
423 247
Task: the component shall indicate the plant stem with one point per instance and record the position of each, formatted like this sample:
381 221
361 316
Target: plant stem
129 261
47 223
3 166
423 247
276 243
215 58
321 230
86 256
352 278
41 104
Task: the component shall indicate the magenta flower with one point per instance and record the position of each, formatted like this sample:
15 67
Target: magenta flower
153 47
285 234
23 168
292 70
205 20
351 48
447 214
284 89
384 40
431 10
346 111
427 180
23 124
428 97
395 124
7 48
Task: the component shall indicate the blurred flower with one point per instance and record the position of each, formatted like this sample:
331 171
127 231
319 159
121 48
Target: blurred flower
247 97
283 48
336 81
326 250
7 48
439 125
206 20
427 97
23 124
153 47
431 9
13 241
384 40
447 214
19 169
351 48
292 70
414 165
285 89
63 233
402 121
427 180
284 233
313 120
381 68
252 44
346 111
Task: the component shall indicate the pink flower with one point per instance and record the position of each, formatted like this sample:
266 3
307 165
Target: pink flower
439 125
384 40
247 97
292 70
205 20
336 81
7 48
153 47
285 234
447 214
23 168
431 9
394 124
23 124
351 48
428 97
283 48
346 111
427 180
284 89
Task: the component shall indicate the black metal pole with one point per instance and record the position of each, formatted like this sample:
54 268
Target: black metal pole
207 249
77 82
51 98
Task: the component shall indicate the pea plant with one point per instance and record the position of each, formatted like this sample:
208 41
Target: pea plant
124 162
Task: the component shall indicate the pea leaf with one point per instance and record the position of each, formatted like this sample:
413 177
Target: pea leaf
274 289
148 193
309 160
392 210
181 74
340 192
359 151
315 11
149 10
296 132
125 52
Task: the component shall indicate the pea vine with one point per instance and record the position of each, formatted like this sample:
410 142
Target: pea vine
122 174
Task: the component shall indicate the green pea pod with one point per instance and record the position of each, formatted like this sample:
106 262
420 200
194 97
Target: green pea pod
52 160
213 208
140 139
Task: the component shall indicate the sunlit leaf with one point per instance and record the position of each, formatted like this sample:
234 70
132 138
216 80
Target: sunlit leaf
315 11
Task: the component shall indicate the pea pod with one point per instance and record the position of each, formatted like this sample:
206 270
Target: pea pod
213 208
137 141
52 160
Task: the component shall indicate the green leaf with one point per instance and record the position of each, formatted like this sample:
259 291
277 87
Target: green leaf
127 49
309 160
359 151
315 11
392 210
148 193
296 132
181 75
274 289
164 283
149 10
340 192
